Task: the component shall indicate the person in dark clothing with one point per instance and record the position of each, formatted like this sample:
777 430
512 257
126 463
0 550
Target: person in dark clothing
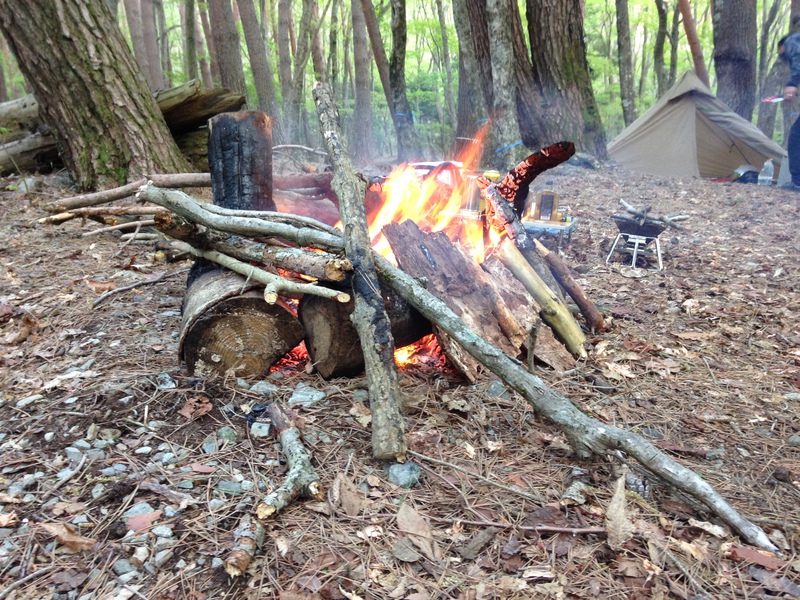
789 52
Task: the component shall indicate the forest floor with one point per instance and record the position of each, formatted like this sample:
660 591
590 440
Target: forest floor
108 491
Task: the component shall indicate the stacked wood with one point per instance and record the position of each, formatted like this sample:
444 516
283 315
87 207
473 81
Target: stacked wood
186 108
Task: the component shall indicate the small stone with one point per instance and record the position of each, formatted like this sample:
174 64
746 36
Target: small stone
95 454
71 400
142 508
404 475
361 396
162 557
28 401
120 468
181 564
229 487
217 563
163 543
794 441
306 396
124 579
109 472
185 484
264 387
228 434
48 437
715 454
496 389
793 396
73 454
100 444
247 486
242 383
260 430
170 512
216 503
92 431
169 458
123 566
80 520
165 382
98 490
82 445
210 444
109 434
162 531
143 450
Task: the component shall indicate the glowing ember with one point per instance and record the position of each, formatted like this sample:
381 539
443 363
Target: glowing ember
424 351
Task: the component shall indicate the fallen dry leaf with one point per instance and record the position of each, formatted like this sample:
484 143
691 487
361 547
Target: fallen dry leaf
758 557
101 287
195 407
781 585
8 519
361 413
618 525
695 335
67 536
201 468
715 530
346 494
410 522
144 521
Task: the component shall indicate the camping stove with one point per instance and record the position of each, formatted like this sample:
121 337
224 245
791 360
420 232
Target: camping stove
637 239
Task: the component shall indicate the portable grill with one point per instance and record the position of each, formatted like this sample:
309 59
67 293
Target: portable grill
637 240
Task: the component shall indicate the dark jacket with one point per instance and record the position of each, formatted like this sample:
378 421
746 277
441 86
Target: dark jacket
791 54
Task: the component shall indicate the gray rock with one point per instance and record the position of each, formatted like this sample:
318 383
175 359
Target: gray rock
247 486
82 445
170 512
142 508
185 484
109 472
361 396
405 475
216 504
169 458
62 474
496 389
109 434
264 387
80 519
793 396
165 382
98 490
260 430
48 437
715 454
100 444
794 441
163 543
181 564
123 566
228 434
143 450
95 454
217 563
28 401
306 396
73 454
119 467
162 531
162 557
242 383
210 444
229 487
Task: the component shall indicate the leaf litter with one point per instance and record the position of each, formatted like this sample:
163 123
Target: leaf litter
702 358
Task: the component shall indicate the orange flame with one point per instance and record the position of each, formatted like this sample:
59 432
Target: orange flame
426 350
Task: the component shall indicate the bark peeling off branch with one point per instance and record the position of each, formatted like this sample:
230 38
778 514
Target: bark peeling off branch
247 538
585 434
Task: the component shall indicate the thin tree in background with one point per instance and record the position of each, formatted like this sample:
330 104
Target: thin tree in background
163 42
203 54
378 51
735 40
333 48
317 57
694 42
3 88
659 64
190 40
284 52
134 17
148 16
448 68
361 138
766 52
625 63
771 83
212 50
471 100
108 124
407 142
263 73
674 39
226 42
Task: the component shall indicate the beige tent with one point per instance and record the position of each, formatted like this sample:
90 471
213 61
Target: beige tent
689 133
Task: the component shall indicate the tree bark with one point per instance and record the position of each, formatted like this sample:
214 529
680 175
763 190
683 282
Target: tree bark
226 43
133 14
3 88
262 69
448 69
735 40
369 315
109 125
472 107
693 40
378 51
148 16
625 59
407 143
659 63
190 40
361 139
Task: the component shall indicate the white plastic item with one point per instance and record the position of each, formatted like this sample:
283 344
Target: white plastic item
767 173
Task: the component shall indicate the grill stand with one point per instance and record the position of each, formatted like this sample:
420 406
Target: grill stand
636 245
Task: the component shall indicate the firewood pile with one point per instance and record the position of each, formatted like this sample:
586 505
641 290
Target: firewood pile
271 271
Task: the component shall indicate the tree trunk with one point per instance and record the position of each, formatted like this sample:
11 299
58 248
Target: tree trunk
204 56
448 69
190 40
317 58
766 54
148 16
226 42
163 42
773 86
259 62
378 51
674 40
212 49
3 88
113 5
333 48
362 117
694 42
735 39
112 129
471 100
133 14
658 48
293 109
561 70
625 59
285 60
504 111
407 143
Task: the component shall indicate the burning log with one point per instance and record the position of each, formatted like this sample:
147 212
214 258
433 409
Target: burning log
369 314
302 480
553 311
332 341
561 272
459 282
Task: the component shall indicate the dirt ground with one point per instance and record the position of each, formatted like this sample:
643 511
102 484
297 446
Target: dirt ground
107 491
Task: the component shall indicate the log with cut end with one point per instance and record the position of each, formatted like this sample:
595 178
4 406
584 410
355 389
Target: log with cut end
31 153
332 342
228 328
458 281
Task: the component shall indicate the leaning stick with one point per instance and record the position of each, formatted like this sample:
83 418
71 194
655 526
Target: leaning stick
586 435
553 311
276 285
301 480
369 315
561 272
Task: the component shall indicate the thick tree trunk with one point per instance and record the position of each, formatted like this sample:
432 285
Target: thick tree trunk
407 143
561 70
259 62
111 127
472 108
150 37
694 41
658 48
735 39
190 40
226 43
361 139
625 58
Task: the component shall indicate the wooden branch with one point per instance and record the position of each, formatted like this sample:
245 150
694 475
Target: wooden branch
247 538
298 147
161 277
561 272
275 284
553 311
320 265
302 480
103 211
669 220
369 314
585 434
129 225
